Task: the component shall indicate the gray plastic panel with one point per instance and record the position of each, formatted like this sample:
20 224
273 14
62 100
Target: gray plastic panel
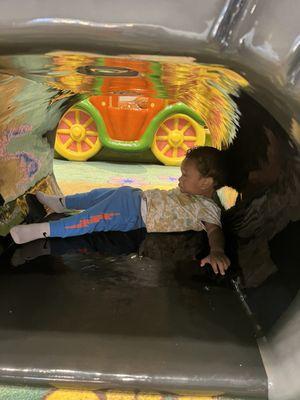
128 323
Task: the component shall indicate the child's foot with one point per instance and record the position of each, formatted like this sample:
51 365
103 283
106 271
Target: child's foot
55 203
27 233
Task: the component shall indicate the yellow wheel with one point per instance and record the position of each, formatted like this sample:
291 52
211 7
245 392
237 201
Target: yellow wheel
77 138
175 135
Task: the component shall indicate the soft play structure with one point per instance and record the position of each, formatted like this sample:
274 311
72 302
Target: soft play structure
132 315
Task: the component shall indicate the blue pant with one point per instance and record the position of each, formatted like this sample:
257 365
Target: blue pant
104 210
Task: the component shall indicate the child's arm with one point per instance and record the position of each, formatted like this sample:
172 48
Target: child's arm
217 258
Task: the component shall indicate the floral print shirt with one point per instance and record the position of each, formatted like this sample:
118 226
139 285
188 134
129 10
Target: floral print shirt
174 211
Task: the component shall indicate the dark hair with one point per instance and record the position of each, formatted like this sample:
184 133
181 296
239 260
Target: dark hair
209 162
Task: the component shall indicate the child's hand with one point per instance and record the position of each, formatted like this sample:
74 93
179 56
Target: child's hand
218 260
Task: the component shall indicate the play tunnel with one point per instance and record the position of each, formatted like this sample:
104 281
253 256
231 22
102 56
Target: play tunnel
86 86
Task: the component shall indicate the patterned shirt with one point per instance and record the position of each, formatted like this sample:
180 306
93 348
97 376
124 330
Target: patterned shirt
174 211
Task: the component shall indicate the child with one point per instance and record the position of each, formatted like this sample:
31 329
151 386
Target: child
188 207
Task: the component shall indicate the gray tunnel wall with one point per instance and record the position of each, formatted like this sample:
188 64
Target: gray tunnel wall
257 39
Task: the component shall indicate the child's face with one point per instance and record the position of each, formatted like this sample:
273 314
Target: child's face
191 180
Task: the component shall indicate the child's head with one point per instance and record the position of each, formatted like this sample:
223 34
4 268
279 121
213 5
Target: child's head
203 171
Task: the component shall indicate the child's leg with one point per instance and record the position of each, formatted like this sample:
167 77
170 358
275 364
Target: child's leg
79 201
116 210
119 211
83 201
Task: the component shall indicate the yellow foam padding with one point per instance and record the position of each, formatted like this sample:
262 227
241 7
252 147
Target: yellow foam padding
114 395
65 394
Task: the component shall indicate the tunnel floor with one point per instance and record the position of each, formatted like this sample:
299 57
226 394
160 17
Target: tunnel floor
134 311
116 310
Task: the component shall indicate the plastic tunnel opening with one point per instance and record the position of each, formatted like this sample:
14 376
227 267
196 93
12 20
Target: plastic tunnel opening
116 314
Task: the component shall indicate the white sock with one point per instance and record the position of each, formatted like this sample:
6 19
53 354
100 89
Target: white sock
55 203
27 233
